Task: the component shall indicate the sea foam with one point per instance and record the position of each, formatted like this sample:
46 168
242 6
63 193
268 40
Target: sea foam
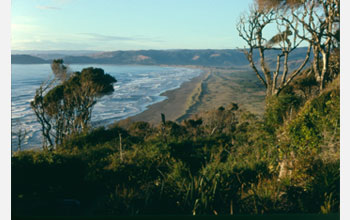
136 89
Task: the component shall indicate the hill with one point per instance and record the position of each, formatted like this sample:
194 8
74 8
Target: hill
214 58
27 59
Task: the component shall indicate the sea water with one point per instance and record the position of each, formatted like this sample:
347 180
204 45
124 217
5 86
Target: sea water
137 88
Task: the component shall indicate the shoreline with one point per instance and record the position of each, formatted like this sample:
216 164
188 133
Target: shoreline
213 88
178 101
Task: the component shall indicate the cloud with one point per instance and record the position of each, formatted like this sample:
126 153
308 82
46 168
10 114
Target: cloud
102 37
79 44
62 1
54 4
80 41
23 28
46 7
38 44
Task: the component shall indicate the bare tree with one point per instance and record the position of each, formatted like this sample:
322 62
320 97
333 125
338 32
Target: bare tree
320 21
320 18
251 29
22 135
40 110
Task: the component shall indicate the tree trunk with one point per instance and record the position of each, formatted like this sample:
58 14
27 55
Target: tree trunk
325 62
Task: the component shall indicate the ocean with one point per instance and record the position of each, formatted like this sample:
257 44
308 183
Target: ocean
137 88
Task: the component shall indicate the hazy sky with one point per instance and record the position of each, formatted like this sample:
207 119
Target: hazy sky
125 24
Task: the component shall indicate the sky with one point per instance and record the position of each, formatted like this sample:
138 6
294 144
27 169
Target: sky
107 25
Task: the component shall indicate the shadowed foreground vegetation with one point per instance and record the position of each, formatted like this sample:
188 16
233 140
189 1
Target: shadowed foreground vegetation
226 161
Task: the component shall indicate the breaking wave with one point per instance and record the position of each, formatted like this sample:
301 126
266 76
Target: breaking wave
137 88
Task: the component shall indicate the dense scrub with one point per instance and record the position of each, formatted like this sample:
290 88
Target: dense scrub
224 161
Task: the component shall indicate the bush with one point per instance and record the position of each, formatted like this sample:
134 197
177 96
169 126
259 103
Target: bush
220 162
317 123
279 108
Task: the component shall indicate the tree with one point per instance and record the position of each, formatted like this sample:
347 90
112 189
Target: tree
39 108
65 107
273 4
21 134
59 69
320 19
251 29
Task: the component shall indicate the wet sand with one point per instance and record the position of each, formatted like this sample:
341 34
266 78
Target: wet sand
176 104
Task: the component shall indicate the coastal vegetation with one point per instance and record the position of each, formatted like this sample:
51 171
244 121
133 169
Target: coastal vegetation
63 106
222 161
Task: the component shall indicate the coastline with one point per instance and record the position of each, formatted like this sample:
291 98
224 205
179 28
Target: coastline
176 105
213 88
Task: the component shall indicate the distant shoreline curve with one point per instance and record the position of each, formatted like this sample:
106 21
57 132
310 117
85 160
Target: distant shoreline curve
178 102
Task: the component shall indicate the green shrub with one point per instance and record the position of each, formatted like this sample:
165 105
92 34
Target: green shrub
278 108
317 122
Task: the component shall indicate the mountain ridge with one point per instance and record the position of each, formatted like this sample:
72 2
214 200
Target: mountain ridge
204 57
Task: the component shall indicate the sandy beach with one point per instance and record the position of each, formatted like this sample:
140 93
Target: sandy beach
176 104
213 88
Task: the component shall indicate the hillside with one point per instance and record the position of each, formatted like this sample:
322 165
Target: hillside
27 59
215 58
